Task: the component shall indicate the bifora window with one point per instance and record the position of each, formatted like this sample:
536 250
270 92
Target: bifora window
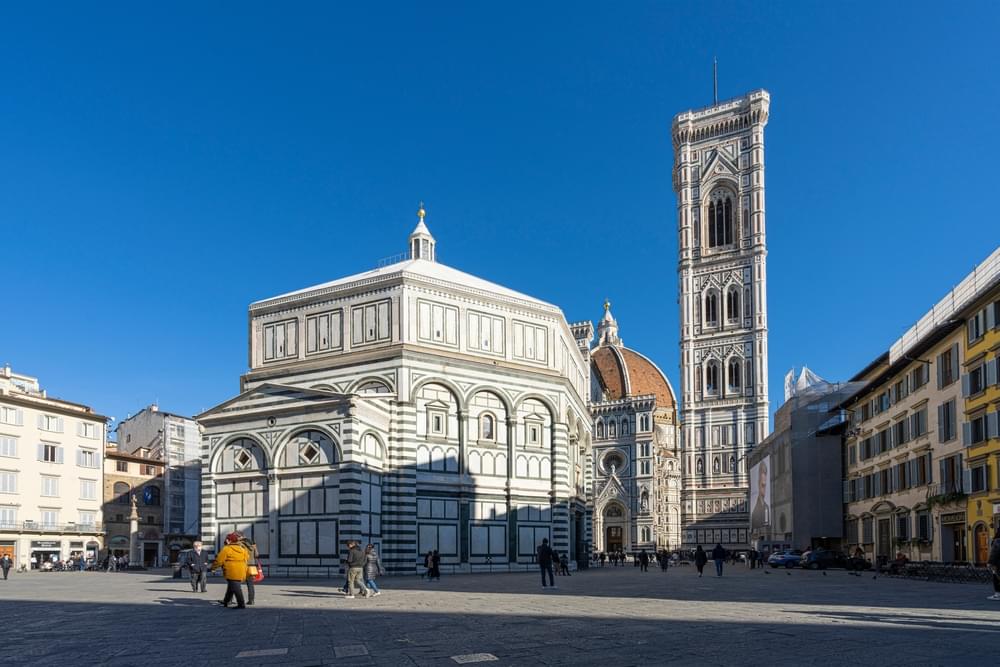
712 377
711 309
720 220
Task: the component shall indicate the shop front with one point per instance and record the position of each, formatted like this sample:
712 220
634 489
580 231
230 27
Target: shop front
953 549
118 546
46 551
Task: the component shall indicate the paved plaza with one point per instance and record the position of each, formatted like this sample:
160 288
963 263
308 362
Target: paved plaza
610 616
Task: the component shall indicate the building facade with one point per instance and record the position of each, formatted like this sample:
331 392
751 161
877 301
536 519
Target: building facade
981 407
133 506
718 177
413 406
636 462
907 480
176 441
50 474
796 472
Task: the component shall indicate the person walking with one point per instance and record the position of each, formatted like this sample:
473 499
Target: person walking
428 565
233 559
719 556
564 565
700 558
643 561
436 565
5 565
355 570
544 553
251 548
373 568
992 561
603 558
196 561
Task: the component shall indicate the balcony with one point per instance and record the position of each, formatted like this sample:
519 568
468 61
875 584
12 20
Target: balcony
56 528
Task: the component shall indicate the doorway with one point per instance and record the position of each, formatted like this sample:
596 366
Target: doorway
982 544
150 554
613 539
884 539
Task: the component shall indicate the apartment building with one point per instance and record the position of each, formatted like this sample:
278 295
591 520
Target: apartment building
133 506
907 481
50 474
176 441
981 393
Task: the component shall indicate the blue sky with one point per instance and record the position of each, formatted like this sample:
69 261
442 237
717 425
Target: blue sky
161 167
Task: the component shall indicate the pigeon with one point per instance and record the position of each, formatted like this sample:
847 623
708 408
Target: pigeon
824 574
788 573
875 577
766 572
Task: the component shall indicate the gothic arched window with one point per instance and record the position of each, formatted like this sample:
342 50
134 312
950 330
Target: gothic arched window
712 378
720 221
612 429
732 305
711 310
625 426
734 374
600 429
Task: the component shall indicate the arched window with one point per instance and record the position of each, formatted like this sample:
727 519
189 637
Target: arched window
122 492
625 426
151 496
720 220
612 429
712 378
734 374
711 310
487 427
600 429
732 305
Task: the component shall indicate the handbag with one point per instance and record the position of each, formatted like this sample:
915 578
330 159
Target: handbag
259 575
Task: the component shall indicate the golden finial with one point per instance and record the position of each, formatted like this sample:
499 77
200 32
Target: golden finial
607 305
421 213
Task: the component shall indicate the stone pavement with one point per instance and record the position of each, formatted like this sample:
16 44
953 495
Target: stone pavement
605 616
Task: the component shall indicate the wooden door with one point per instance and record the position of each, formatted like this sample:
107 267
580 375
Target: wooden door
982 544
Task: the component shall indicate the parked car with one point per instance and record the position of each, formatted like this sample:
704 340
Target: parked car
820 559
787 559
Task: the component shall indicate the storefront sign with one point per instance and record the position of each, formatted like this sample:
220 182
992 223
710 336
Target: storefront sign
45 544
954 517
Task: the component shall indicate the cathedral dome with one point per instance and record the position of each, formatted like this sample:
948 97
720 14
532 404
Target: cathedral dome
622 372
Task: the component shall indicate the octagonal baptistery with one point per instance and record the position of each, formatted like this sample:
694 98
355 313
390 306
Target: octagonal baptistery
414 407
636 463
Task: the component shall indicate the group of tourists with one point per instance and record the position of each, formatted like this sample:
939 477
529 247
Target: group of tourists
719 555
363 567
238 559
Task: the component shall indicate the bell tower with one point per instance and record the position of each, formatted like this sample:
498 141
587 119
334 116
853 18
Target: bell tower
718 178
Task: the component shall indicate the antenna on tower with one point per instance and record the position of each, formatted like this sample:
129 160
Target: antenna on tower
715 81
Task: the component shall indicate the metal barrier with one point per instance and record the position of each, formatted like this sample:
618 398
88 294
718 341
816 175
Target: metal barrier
952 573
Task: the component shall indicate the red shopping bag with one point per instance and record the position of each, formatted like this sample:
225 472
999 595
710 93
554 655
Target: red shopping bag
259 577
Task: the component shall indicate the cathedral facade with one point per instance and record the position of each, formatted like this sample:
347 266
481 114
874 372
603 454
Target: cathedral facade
413 406
718 178
636 462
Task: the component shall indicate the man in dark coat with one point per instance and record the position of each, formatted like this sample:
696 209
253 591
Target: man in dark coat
5 564
197 562
545 562
719 556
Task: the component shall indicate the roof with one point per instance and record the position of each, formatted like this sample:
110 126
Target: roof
417 268
623 372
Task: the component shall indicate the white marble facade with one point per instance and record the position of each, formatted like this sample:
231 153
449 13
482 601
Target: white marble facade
636 465
413 406
722 275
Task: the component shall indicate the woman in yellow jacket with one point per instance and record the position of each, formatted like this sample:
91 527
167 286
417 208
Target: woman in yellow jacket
233 560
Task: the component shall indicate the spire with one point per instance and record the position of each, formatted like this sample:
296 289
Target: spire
715 80
607 328
421 242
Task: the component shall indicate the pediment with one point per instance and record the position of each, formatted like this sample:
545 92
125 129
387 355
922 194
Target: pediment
612 489
719 164
271 397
